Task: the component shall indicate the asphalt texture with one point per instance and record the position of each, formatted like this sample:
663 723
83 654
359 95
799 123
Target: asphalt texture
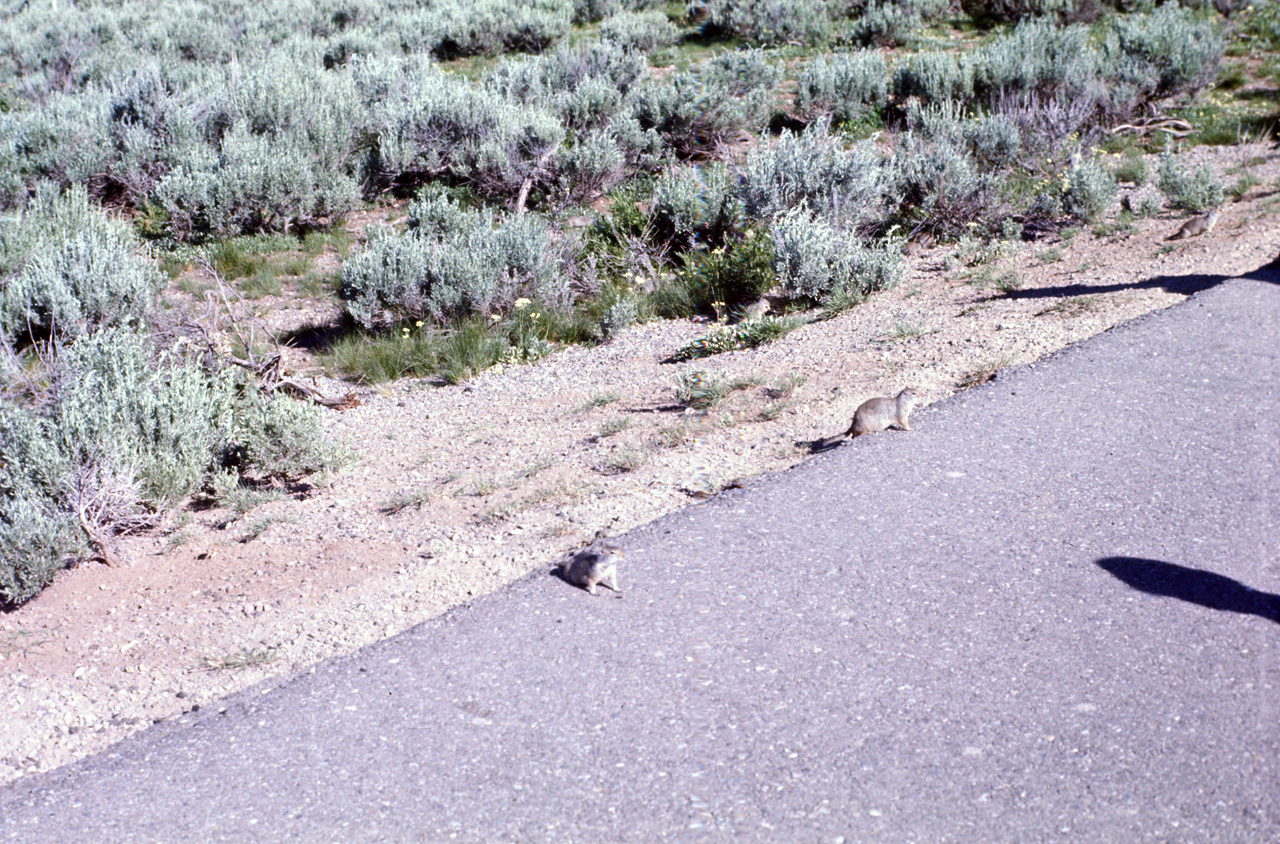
1050 612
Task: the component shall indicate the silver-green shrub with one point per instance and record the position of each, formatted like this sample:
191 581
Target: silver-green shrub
696 202
813 258
1042 57
941 187
771 22
619 316
993 140
486 26
934 77
1181 49
426 123
845 86
151 122
35 536
59 48
751 75
123 432
271 435
1090 190
988 12
590 11
1194 192
280 137
463 262
850 186
258 183
640 31
1090 75
119 404
584 86
884 23
66 140
591 165
699 109
68 269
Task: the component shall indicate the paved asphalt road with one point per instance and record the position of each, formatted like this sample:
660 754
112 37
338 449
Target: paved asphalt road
1049 613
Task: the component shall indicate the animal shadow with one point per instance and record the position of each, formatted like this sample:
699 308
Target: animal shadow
1193 585
820 445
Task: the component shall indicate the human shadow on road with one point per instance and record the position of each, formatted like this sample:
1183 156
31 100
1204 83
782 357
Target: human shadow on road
1199 587
1187 285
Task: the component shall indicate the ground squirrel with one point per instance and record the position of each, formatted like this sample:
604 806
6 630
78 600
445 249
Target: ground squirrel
1197 225
756 309
591 566
877 414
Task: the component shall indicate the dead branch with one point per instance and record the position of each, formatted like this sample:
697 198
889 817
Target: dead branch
292 387
1173 126
267 370
539 171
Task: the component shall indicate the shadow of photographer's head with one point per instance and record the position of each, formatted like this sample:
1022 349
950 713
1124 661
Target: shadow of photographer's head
1193 585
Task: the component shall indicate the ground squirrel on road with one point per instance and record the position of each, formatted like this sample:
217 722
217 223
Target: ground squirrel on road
877 414
591 566
1197 225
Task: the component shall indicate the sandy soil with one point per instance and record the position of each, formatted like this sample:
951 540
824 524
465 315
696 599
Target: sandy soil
458 490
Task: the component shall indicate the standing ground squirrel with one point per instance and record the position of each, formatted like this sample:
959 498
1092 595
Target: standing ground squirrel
756 309
877 414
593 565
1197 225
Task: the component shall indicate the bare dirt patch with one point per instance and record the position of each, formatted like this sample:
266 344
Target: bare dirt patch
458 490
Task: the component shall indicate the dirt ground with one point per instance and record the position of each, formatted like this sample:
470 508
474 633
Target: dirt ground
455 491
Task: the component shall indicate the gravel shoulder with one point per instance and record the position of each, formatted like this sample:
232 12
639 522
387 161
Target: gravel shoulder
456 491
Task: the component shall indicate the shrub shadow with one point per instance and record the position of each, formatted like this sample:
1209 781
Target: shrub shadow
1186 285
1205 588
317 336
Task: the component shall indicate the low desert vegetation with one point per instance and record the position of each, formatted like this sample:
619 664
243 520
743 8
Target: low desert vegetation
538 173
107 420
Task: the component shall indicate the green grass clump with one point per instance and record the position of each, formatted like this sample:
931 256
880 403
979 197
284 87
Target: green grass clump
908 331
262 283
1008 281
715 281
240 257
698 389
230 491
403 502
624 460
457 350
614 426
745 335
372 358
469 350
1133 169
1243 184
601 400
242 659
